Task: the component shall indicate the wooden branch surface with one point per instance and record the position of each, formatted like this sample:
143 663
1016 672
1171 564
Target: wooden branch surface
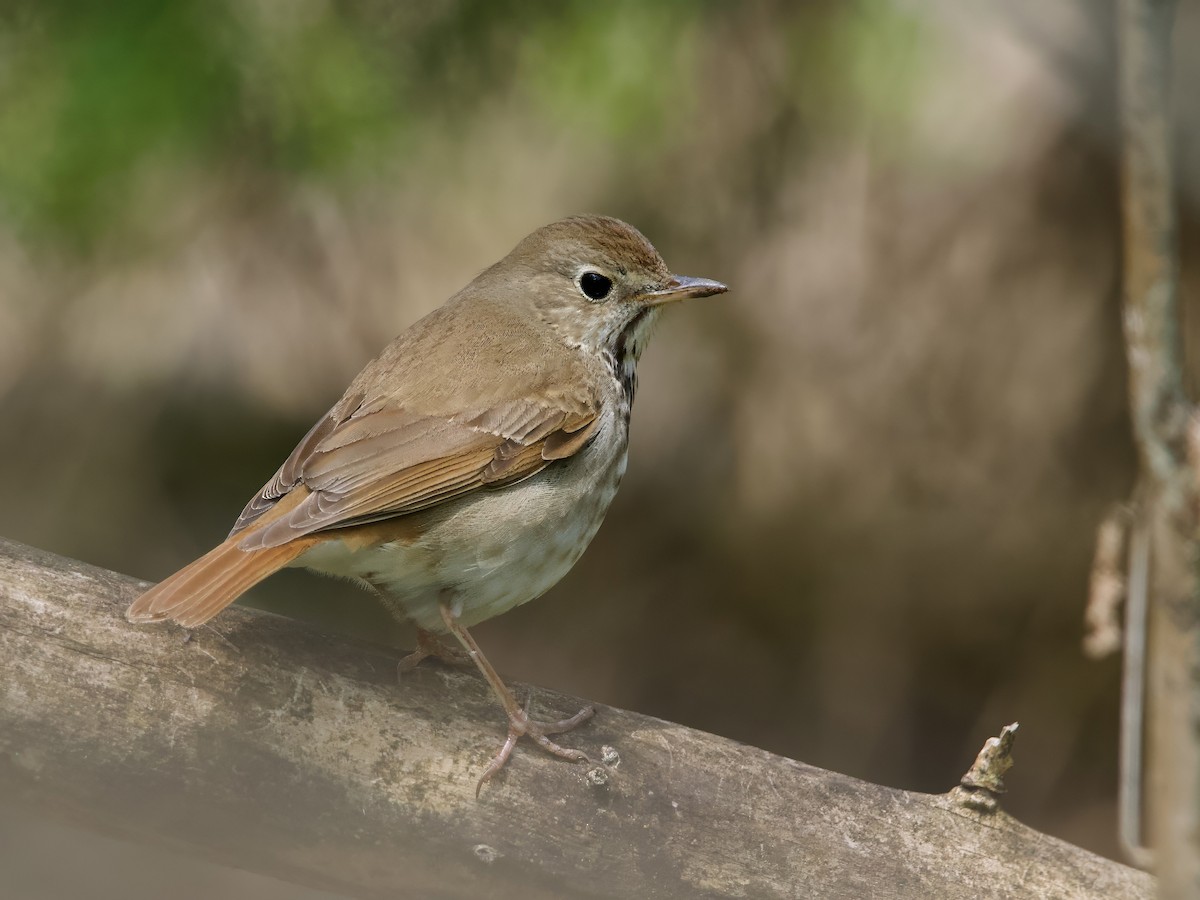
267 745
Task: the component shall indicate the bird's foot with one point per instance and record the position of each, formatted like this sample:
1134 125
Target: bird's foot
430 645
520 725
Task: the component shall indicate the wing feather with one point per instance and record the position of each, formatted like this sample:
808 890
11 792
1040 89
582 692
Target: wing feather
389 462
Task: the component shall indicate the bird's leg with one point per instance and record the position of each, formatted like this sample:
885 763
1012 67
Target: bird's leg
519 723
430 645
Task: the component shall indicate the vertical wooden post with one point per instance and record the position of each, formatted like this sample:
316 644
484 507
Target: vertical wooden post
1161 415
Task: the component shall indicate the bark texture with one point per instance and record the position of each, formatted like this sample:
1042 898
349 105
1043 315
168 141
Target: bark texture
266 745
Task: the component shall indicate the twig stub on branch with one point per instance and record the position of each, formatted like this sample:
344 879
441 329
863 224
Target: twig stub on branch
981 787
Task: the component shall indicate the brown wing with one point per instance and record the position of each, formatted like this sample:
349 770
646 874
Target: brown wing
288 475
356 467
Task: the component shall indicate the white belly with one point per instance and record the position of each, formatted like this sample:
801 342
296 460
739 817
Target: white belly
494 549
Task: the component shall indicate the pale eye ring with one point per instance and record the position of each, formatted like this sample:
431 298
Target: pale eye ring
594 285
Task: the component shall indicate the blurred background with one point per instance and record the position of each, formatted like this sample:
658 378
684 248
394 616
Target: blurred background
863 487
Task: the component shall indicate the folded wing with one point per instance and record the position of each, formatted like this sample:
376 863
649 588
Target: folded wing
363 463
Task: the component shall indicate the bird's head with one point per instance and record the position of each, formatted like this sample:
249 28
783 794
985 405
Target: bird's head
599 283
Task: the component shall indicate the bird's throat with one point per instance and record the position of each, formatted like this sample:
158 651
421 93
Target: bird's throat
627 350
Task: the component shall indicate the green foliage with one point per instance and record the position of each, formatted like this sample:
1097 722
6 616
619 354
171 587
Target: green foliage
91 94
88 92
617 70
866 61
94 95
316 96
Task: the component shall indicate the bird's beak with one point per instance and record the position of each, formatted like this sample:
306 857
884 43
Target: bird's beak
681 287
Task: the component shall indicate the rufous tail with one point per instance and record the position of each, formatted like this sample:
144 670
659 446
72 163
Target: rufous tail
200 590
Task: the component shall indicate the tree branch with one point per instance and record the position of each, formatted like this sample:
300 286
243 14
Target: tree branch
266 745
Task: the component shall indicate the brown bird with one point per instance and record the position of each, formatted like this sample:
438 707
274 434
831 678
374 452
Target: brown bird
467 468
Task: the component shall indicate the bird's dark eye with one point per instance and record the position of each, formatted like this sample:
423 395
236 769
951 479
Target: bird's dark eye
594 285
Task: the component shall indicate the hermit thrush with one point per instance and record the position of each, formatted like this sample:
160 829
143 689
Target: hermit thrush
465 470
